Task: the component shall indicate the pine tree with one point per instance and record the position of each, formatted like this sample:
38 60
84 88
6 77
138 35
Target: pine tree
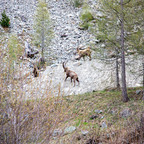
111 31
42 27
5 21
120 26
107 30
14 52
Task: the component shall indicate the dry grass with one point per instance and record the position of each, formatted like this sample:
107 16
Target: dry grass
119 130
24 120
30 121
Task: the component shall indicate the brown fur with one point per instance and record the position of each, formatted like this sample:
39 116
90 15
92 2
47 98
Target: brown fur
35 68
83 53
70 74
35 71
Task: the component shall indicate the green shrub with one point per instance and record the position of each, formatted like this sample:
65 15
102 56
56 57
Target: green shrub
85 25
5 21
87 16
78 3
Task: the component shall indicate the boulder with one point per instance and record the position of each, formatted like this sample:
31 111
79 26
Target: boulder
125 113
69 130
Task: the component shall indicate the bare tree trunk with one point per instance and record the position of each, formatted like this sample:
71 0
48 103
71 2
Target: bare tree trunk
42 34
117 70
143 82
143 74
124 89
142 128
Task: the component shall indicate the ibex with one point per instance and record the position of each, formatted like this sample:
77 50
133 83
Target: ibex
83 53
35 68
70 74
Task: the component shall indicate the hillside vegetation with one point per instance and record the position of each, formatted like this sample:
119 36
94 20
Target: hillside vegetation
98 44
100 117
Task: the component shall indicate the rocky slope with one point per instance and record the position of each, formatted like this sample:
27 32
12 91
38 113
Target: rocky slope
93 75
65 20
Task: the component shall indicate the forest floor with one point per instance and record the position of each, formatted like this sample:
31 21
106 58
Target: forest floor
99 117
103 117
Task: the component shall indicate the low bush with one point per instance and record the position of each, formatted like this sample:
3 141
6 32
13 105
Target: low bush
78 3
86 17
5 21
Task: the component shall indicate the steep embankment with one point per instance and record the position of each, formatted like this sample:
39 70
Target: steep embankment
68 36
65 21
21 17
93 75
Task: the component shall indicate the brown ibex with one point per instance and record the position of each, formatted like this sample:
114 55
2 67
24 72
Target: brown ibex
70 74
83 53
35 68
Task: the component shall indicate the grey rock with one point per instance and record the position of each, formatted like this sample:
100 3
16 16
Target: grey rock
138 92
125 113
103 125
69 130
102 117
84 132
54 65
23 18
57 132
98 111
77 64
112 112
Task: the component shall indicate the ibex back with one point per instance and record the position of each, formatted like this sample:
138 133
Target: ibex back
83 53
70 74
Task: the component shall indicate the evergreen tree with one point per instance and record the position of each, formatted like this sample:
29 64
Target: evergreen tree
120 26
5 21
14 52
111 31
107 30
42 27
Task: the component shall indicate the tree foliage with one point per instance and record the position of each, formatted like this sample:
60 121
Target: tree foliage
14 50
86 17
120 25
5 21
109 23
42 26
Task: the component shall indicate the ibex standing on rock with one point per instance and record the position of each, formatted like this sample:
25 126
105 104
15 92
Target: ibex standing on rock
70 74
83 53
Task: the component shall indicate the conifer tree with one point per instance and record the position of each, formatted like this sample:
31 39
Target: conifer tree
120 26
108 32
5 21
14 52
42 27
124 88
